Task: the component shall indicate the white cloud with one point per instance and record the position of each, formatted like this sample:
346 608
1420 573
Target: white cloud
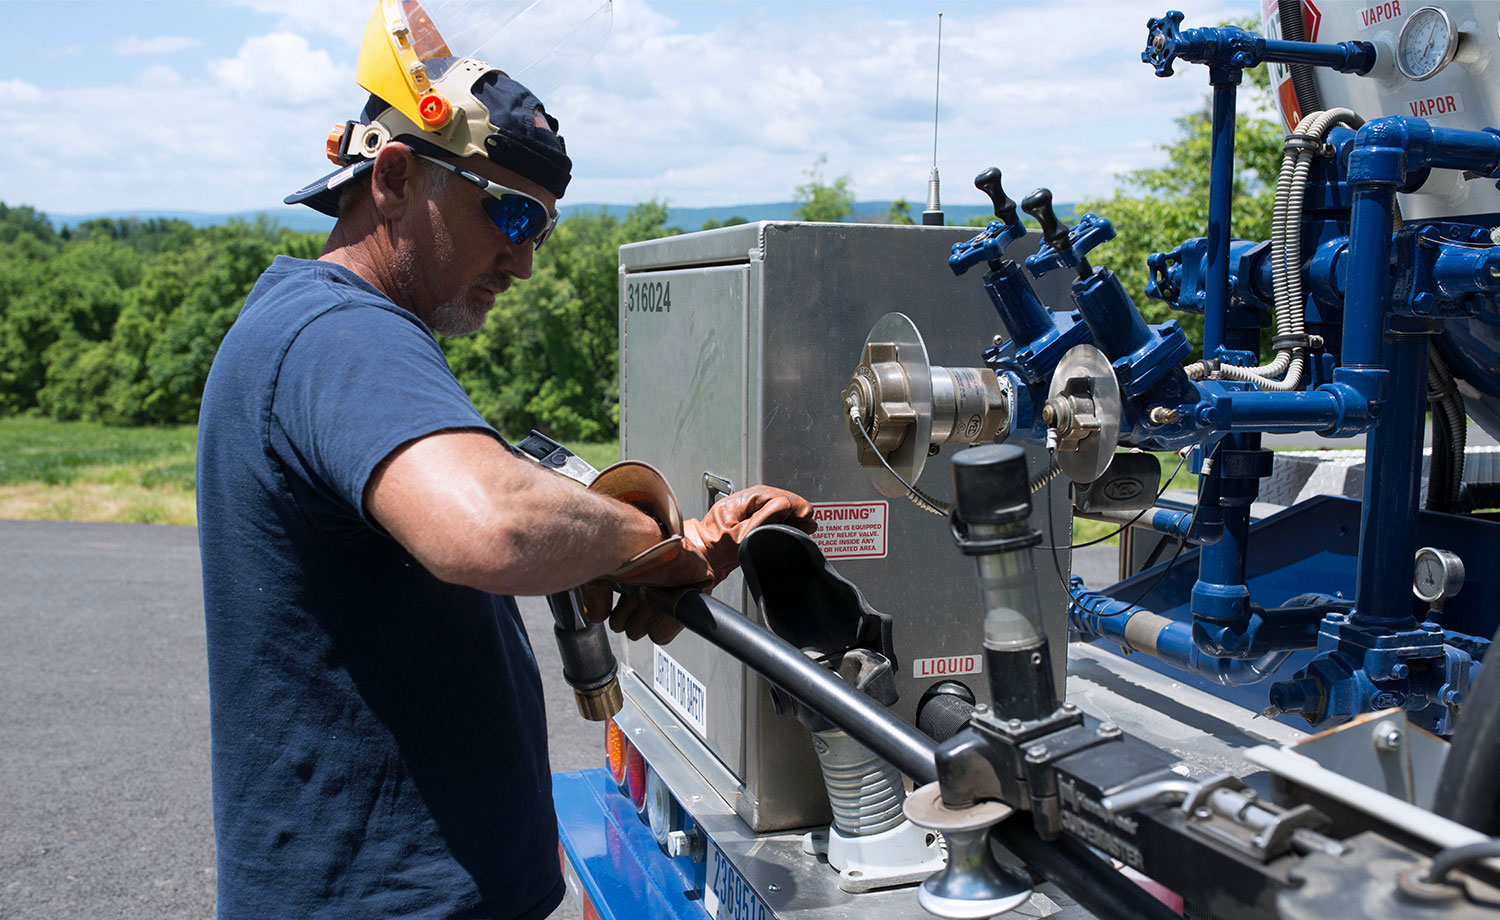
282 65
732 113
342 20
161 44
18 91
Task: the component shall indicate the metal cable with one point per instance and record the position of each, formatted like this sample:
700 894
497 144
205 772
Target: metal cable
918 497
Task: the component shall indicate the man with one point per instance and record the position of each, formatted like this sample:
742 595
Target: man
379 743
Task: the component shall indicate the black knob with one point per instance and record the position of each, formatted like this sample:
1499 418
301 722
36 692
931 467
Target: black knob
989 183
1039 205
991 484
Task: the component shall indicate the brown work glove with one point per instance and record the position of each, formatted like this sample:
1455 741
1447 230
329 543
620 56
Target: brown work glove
717 536
672 563
666 565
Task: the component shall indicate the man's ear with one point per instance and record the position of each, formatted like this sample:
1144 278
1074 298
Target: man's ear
393 180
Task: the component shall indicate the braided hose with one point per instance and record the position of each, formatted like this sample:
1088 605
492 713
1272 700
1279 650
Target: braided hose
1286 258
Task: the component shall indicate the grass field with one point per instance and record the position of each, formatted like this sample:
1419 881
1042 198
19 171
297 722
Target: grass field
85 471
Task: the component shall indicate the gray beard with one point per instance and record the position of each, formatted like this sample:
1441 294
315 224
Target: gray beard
455 318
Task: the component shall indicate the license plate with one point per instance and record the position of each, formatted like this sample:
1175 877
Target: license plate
727 896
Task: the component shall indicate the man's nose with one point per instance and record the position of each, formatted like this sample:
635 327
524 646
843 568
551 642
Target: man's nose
515 259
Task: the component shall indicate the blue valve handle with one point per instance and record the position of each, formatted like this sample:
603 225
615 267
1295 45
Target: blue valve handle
988 246
1085 235
1234 48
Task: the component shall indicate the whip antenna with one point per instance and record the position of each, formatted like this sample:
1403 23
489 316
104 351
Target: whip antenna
933 215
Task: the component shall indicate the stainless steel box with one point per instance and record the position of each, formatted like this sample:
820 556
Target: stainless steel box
734 346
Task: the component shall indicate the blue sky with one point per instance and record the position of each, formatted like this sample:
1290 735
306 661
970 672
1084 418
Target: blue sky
223 106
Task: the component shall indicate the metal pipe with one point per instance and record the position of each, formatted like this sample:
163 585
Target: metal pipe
1388 512
1099 616
1171 522
1220 212
869 723
1367 298
1100 888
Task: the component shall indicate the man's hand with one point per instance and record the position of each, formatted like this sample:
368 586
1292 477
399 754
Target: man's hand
719 534
713 543
675 565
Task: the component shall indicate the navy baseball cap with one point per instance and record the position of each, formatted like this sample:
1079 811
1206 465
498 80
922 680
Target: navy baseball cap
518 135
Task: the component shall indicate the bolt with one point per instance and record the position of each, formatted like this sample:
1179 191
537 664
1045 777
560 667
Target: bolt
1159 42
981 709
1014 725
1037 754
1049 414
1387 737
1069 707
999 339
1161 415
1202 814
1108 729
773 887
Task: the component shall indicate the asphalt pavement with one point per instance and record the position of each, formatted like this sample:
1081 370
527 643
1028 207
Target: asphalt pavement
104 768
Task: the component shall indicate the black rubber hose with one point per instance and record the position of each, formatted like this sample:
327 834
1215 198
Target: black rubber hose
942 715
1086 878
1467 791
866 721
1440 467
1292 29
1445 476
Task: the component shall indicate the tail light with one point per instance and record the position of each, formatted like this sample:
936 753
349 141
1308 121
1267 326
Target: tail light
625 764
615 748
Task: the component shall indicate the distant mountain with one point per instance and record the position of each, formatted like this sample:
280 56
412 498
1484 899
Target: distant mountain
688 219
304 219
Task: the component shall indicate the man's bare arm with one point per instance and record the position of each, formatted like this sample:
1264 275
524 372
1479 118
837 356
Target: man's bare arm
474 514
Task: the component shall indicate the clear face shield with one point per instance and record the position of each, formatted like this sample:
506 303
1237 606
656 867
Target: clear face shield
539 43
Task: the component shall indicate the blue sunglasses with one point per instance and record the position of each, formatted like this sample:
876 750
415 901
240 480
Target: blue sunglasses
522 218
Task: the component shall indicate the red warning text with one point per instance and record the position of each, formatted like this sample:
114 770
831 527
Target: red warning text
851 530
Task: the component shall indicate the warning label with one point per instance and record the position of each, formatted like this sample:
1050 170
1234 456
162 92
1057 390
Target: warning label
851 530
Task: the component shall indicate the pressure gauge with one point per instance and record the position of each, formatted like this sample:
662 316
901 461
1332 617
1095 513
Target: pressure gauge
1439 575
1427 43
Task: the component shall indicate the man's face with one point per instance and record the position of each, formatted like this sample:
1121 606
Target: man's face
455 265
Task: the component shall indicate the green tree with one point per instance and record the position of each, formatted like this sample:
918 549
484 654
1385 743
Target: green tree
714 224
26 220
1161 207
547 357
820 201
899 213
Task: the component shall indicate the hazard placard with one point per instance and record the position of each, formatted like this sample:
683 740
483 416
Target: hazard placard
851 530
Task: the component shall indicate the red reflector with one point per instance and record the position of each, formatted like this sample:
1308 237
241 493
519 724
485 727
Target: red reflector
615 748
635 777
589 911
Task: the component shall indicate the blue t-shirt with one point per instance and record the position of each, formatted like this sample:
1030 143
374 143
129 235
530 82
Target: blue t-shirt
379 739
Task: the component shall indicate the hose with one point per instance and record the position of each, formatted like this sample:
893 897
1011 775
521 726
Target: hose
1305 90
1466 788
1445 474
1447 860
1284 372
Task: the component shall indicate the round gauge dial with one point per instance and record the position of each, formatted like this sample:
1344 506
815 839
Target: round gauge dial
1427 43
1439 574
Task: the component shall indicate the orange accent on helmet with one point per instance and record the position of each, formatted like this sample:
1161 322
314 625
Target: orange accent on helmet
336 143
435 110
